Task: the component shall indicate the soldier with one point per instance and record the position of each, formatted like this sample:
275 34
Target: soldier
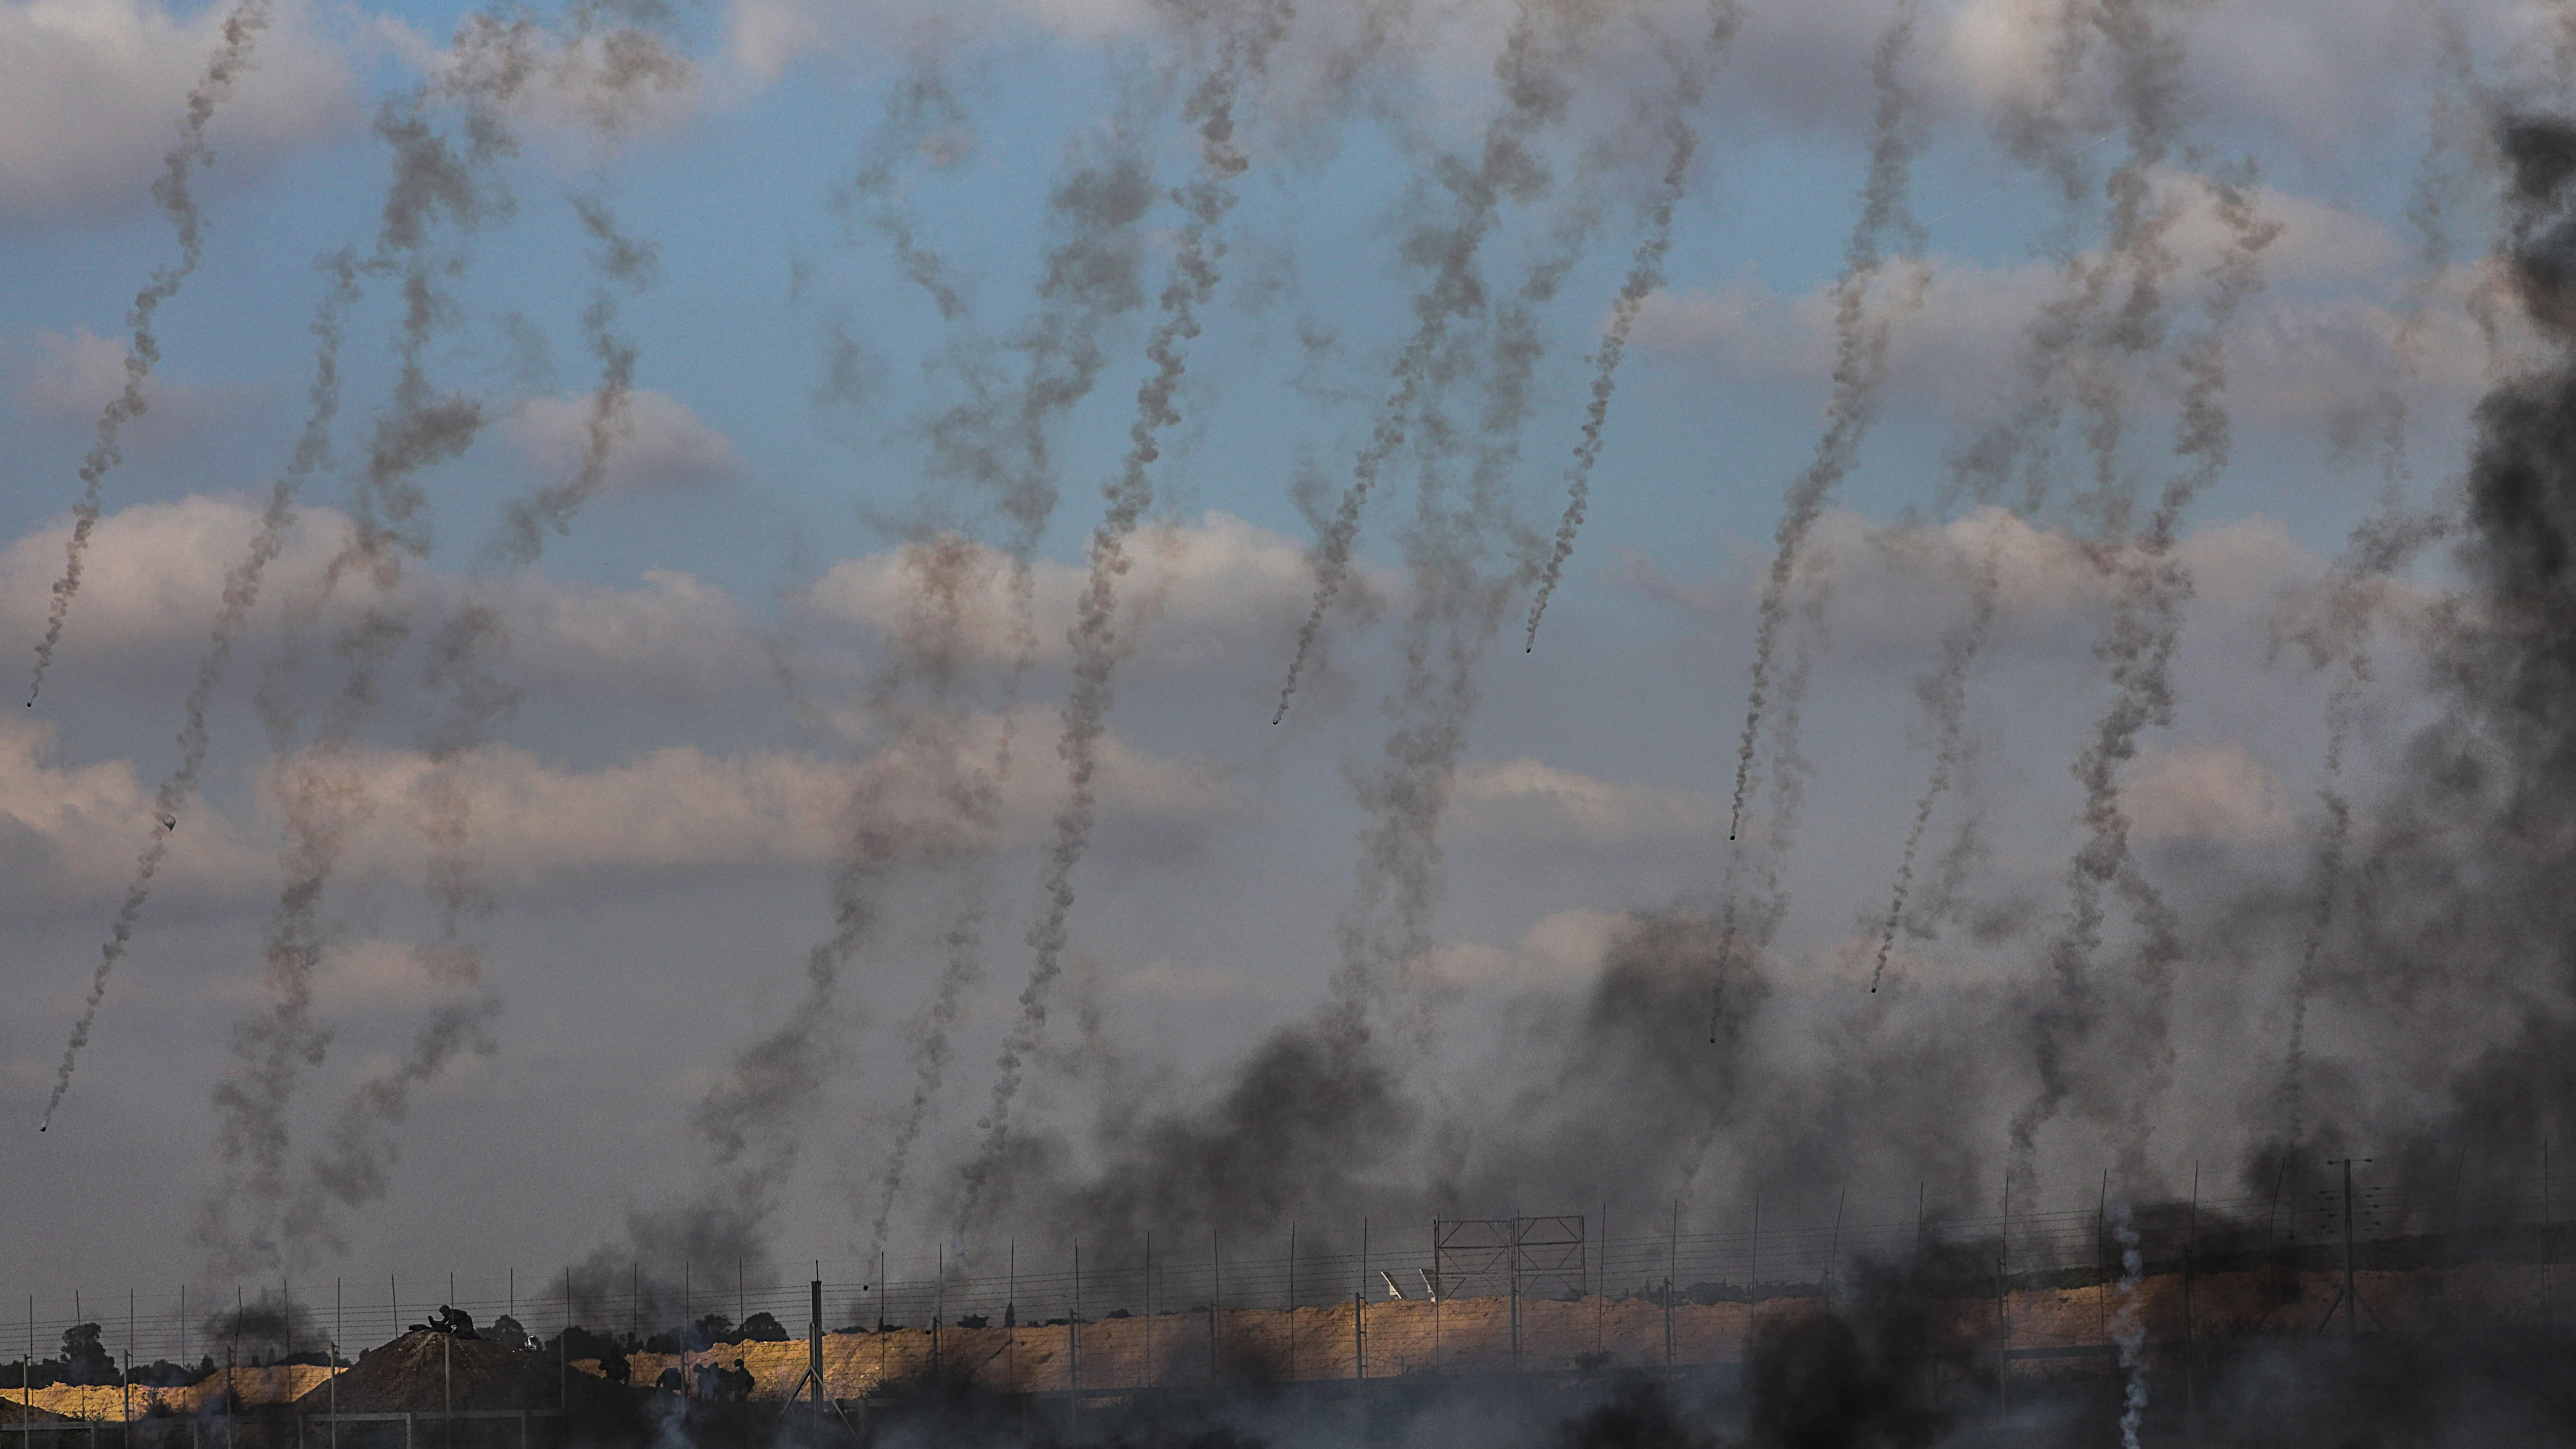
614 1367
741 1380
670 1382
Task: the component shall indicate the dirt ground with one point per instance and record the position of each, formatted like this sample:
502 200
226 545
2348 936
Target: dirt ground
1464 1336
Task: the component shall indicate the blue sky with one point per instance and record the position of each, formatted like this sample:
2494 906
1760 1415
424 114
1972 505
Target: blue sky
703 664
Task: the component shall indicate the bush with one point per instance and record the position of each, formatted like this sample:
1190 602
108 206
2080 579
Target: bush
763 1328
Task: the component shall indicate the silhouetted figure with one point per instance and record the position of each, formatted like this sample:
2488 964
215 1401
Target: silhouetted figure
670 1382
741 1381
614 1367
453 1321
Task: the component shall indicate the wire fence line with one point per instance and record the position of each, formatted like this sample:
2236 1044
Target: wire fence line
1739 1251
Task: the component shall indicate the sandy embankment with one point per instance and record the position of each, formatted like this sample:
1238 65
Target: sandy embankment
1466 1336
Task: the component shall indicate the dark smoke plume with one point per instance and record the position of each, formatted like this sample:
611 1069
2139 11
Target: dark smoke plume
1645 275
1534 97
241 593
170 193
1094 639
1860 365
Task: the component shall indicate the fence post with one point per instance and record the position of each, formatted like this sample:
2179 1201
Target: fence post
1672 1271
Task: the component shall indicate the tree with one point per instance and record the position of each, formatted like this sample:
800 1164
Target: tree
85 1360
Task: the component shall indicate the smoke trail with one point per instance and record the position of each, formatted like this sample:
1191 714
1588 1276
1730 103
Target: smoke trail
1385 932
922 115
421 430
1095 642
1860 363
170 193
1945 702
1645 275
1534 98
624 262
356 1166
2379 547
961 967
996 441
977 801
2138 645
320 790
2129 1326
241 592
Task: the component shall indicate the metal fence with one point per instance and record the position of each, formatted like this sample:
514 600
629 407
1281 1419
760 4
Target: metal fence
1189 1292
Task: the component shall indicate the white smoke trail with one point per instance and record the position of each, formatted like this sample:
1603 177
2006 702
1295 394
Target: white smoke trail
170 192
2129 1326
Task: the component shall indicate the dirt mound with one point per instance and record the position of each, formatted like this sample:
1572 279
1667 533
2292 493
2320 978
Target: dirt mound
15 1411
418 1372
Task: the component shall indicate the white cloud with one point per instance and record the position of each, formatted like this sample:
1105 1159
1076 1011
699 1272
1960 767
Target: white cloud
2218 793
2322 338
1525 800
1197 592
78 828
71 832
665 449
1562 951
91 91
74 375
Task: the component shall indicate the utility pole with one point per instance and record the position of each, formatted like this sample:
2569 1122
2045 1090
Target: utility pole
2190 1338
1292 1300
2548 1239
2003 1306
2350 1298
1672 1270
1834 1252
1359 1312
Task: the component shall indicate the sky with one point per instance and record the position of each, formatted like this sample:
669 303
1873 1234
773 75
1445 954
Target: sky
757 734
